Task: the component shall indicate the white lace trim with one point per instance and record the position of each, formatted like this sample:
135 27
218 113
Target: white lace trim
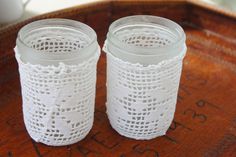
58 101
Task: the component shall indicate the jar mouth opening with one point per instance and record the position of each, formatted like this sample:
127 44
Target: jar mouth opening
127 33
48 46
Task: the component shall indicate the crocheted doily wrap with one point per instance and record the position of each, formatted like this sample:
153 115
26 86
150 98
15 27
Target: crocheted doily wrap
141 100
58 101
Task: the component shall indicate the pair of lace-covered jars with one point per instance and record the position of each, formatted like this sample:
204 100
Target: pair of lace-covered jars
57 61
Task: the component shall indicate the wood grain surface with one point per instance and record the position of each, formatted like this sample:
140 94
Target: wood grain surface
205 118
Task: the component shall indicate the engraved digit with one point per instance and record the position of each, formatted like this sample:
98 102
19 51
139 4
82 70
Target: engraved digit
195 115
203 103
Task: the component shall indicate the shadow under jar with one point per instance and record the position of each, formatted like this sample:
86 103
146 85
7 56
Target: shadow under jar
144 63
57 61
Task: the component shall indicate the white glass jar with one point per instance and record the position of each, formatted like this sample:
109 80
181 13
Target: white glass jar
144 63
57 61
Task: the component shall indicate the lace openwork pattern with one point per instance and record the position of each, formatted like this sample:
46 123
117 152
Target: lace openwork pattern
141 100
145 37
58 101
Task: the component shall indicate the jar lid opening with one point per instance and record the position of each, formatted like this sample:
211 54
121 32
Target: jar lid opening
146 35
56 40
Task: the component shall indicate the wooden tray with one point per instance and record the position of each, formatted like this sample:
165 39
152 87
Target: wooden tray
205 119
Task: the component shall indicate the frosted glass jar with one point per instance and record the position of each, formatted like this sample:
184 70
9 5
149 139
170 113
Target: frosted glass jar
57 61
144 63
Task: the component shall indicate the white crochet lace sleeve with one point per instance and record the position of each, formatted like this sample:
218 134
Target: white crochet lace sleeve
58 101
141 100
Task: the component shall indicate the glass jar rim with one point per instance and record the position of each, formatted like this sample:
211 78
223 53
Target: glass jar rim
63 23
149 21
